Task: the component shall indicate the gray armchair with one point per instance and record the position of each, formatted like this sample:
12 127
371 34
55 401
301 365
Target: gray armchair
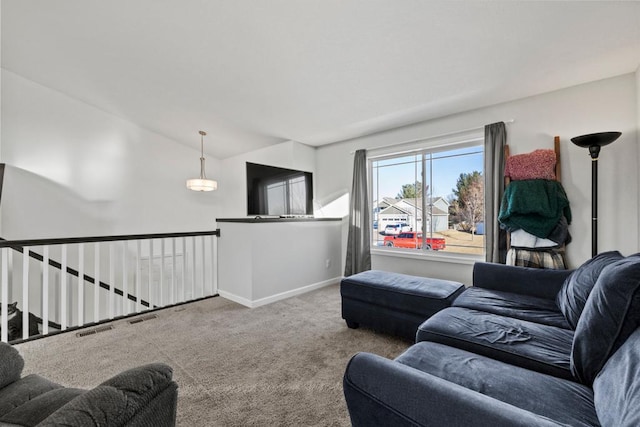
143 396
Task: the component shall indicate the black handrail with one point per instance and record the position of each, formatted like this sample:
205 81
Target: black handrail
93 239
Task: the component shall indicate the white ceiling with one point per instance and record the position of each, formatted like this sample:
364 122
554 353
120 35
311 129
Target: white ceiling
258 72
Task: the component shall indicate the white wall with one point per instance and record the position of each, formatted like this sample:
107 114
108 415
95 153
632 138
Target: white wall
263 262
75 170
233 180
595 107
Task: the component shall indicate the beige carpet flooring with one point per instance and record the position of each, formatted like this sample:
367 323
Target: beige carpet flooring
276 365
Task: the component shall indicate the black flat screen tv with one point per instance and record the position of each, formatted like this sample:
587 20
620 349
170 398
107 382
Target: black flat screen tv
278 191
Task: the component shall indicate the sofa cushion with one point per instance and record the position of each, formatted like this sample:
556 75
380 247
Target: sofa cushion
576 289
383 392
11 366
537 282
530 345
566 402
40 407
118 400
518 306
23 390
611 314
616 388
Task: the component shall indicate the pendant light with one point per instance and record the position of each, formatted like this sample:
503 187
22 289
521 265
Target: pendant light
202 183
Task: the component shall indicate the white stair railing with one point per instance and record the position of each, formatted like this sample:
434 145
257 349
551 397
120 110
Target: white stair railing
64 284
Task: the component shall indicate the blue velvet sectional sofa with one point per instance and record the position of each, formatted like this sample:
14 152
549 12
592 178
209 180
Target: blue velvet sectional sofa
522 347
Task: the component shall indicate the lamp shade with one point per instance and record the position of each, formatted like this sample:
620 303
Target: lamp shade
594 141
199 184
601 139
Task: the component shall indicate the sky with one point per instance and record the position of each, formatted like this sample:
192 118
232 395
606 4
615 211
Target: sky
446 167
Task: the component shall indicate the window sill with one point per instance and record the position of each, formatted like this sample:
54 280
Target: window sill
434 256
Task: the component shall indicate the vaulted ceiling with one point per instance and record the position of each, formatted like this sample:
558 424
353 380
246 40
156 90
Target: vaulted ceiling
258 72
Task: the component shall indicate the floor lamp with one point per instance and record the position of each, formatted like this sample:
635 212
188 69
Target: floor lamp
594 141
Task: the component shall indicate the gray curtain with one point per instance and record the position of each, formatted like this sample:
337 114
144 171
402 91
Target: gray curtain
495 138
359 240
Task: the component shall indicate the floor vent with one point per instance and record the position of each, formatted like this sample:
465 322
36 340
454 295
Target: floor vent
180 309
94 331
142 319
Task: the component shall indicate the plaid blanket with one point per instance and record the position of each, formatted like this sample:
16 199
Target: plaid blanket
553 258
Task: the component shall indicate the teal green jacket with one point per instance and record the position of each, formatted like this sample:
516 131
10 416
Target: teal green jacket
534 205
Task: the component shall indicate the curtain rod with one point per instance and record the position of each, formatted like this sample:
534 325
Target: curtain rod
435 136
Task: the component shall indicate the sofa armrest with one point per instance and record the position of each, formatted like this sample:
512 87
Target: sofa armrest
380 391
537 282
11 365
141 396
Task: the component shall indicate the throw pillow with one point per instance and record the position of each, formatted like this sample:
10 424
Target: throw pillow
577 287
611 315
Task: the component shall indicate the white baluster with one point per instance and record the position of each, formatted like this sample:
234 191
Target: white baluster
150 273
125 280
45 290
80 284
204 266
214 263
184 268
112 278
174 276
4 294
63 288
25 292
193 269
96 283
161 299
138 278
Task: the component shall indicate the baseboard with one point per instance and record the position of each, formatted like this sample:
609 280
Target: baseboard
277 297
234 298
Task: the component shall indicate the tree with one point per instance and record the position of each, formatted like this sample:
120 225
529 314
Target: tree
468 207
411 191
474 203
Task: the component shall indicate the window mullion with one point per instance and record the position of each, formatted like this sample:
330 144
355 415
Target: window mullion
424 200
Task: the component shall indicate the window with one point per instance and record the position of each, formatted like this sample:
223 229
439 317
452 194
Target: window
436 191
288 195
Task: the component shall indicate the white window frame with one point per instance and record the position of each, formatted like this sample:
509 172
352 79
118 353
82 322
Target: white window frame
451 141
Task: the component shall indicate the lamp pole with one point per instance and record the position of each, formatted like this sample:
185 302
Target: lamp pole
594 142
594 151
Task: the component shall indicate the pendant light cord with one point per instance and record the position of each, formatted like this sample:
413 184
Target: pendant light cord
202 168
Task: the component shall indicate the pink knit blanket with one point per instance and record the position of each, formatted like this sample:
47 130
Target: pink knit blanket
539 164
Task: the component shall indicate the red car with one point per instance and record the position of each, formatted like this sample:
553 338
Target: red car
413 240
